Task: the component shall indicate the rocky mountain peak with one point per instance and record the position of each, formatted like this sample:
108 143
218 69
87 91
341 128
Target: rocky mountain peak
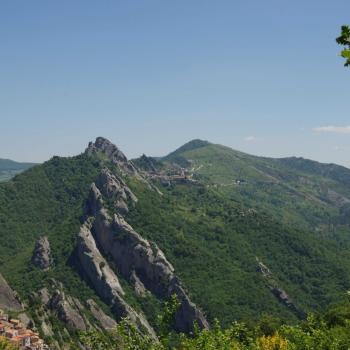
106 150
106 147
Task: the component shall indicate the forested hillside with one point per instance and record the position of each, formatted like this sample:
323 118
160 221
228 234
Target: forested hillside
247 237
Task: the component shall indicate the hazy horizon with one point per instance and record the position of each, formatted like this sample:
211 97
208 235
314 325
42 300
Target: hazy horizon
262 78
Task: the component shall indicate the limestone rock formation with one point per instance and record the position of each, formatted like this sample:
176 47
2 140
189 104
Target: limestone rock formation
138 259
138 285
106 322
42 253
107 149
104 280
96 267
8 298
113 187
148 164
104 150
66 312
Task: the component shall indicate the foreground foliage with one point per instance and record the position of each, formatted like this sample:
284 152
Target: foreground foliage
344 40
329 332
5 345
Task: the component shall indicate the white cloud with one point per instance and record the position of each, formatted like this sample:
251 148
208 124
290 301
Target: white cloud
250 139
333 129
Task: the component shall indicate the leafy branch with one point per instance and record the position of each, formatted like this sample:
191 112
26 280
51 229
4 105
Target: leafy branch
344 40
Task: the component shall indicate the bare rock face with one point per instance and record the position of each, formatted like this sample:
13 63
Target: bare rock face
132 253
104 280
42 254
114 188
96 267
44 296
138 259
8 298
138 285
106 148
66 312
106 322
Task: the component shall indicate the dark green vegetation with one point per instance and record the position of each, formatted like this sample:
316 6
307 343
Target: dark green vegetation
291 214
230 213
327 332
9 168
46 199
344 40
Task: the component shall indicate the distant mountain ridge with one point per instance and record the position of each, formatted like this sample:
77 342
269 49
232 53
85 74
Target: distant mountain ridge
9 168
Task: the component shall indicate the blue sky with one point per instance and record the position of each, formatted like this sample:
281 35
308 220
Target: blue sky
263 77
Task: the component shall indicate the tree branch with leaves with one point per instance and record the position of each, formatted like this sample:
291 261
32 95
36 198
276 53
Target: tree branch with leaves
344 40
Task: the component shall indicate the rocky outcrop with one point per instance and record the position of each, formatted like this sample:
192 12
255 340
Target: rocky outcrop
109 151
106 322
147 164
104 280
42 254
64 308
277 291
57 303
139 288
114 188
104 150
96 267
283 297
108 148
138 259
8 298
44 296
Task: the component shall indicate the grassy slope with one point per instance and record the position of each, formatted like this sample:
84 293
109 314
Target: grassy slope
292 190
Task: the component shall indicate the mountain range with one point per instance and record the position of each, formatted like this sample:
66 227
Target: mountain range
9 168
90 239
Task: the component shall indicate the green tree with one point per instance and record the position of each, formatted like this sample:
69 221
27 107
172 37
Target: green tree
5 345
344 40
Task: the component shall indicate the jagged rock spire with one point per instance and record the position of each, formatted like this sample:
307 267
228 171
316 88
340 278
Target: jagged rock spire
111 152
102 145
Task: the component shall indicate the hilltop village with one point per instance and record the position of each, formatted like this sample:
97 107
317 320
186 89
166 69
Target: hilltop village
18 335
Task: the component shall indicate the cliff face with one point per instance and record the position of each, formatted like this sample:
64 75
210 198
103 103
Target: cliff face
8 298
105 232
66 310
116 190
105 281
139 261
106 149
